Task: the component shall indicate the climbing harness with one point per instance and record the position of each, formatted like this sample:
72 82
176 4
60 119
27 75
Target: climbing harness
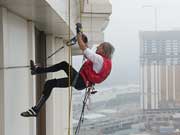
89 90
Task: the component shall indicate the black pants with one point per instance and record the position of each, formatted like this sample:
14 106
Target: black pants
62 82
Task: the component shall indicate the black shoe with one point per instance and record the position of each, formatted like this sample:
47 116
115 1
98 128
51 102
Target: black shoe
30 113
33 67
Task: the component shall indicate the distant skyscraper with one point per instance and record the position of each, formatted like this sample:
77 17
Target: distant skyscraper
160 69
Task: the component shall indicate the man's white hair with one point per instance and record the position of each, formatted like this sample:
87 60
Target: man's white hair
108 49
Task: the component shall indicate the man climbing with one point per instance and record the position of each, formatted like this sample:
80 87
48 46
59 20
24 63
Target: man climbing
95 69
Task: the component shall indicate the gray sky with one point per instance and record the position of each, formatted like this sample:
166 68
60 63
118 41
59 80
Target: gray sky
127 19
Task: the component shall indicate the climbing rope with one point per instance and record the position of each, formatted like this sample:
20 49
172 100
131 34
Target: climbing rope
81 119
55 52
90 90
70 63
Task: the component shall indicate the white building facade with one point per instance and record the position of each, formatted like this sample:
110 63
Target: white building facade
34 30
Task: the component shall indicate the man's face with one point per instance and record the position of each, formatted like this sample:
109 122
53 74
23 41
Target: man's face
100 49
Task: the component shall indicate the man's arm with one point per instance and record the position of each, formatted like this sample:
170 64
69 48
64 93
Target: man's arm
81 43
96 59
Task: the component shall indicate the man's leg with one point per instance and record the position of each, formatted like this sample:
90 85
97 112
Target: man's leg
50 84
58 83
54 68
48 87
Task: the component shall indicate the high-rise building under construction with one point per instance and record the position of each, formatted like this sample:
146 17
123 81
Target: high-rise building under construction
160 69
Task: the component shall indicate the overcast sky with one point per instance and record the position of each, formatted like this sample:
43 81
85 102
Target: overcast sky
127 19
